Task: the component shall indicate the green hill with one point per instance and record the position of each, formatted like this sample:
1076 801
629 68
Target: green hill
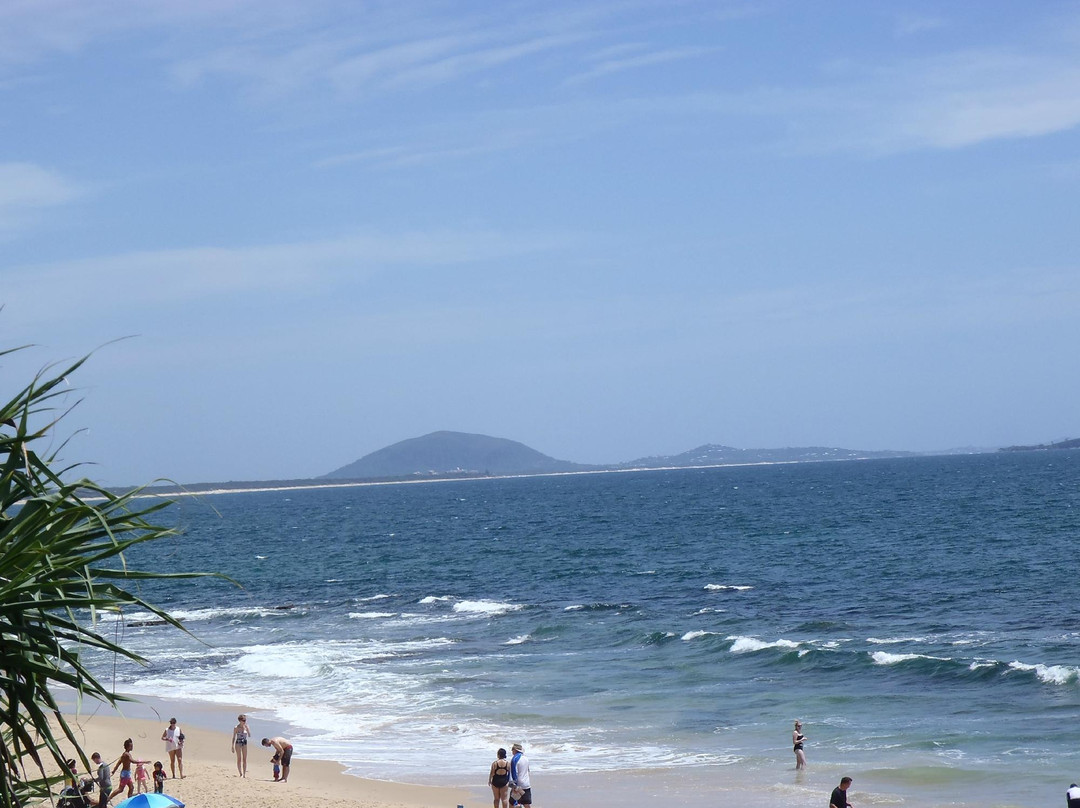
448 453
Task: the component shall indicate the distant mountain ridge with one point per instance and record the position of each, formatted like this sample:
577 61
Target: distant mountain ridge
1069 443
448 454
711 454
453 453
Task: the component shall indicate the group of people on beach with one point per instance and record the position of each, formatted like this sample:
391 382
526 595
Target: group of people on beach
509 779
135 777
281 761
133 774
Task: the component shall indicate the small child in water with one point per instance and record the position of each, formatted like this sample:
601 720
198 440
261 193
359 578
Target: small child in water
159 778
276 760
141 778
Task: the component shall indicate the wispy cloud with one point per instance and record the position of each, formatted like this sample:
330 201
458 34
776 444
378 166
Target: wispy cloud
617 63
25 189
421 154
963 99
393 48
909 24
177 277
947 102
30 31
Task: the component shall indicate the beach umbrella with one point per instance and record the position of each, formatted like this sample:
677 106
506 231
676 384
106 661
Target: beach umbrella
151 801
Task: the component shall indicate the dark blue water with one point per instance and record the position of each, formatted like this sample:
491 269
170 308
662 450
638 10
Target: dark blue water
917 615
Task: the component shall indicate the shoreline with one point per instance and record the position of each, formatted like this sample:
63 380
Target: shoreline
212 781
211 777
296 485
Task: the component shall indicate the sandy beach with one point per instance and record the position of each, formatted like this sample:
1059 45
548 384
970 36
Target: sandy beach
211 778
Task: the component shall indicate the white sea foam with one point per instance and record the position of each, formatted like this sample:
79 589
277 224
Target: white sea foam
374 597
710 611
577 607
727 587
488 607
518 640
278 663
197 615
743 645
417 619
432 599
885 658
693 635
1050 674
370 615
894 640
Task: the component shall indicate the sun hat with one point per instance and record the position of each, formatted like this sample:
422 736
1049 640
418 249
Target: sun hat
516 748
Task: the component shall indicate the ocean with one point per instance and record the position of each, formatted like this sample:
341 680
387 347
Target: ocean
917 615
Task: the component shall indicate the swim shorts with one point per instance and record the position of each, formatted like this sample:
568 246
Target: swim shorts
286 756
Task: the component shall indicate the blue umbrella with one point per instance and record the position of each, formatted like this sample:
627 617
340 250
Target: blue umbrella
151 801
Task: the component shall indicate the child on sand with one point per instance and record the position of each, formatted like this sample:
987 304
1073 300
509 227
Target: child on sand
141 778
276 760
159 777
124 764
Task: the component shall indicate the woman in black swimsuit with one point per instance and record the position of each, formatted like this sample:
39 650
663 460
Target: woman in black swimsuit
499 780
797 739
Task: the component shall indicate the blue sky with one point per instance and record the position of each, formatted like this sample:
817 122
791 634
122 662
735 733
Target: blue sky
604 229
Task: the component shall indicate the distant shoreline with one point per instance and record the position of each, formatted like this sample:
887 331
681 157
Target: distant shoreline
194 490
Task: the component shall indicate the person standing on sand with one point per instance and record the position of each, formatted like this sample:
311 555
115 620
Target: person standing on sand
240 735
284 748
124 765
174 745
103 778
839 794
797 739
499 780
519 774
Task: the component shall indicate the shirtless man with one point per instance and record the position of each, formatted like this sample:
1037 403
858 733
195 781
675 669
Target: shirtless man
284 748
124 764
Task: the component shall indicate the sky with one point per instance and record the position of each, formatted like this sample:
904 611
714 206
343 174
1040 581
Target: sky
292 232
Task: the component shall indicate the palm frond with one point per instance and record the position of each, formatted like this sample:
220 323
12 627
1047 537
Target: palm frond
62 563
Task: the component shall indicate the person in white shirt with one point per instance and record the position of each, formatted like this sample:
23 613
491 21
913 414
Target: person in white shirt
519 776
1072 796
174 745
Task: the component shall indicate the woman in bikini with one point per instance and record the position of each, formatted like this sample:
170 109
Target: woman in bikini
499 780
797 739
240 735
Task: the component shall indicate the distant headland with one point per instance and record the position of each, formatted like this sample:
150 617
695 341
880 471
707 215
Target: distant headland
445 455
1071 443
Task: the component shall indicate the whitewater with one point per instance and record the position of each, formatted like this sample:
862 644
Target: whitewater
915 614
